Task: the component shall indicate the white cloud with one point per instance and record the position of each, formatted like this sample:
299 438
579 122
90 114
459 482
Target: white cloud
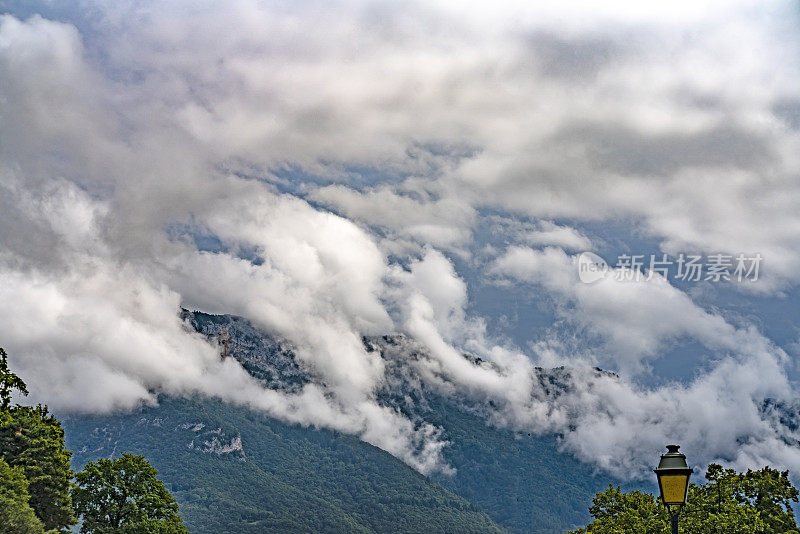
678 119
565 237
444 223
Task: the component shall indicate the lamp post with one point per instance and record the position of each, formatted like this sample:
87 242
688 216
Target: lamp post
673 482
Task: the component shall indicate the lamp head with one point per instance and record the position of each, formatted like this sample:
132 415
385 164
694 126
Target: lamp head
673 477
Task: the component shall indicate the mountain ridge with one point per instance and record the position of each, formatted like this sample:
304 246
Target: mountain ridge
503 480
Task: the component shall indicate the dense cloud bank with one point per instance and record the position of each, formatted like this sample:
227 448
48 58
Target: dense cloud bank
322 170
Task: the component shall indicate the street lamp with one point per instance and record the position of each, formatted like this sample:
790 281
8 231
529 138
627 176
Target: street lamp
673 482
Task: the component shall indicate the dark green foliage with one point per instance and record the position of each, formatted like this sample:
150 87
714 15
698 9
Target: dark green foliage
758 502
124 496
16 515
32 440
285 479
8 382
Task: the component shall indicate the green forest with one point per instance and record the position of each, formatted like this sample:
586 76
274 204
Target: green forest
285 478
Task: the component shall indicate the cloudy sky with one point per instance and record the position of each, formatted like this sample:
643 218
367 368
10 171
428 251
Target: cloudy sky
333 170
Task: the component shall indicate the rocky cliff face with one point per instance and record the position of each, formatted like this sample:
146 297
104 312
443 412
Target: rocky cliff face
270 360
104 441
273 361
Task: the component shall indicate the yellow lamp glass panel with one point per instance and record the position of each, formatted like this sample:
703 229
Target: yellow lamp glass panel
673 488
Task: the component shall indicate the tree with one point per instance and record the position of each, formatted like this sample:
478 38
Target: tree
16 515
758 501
8 382
755 502
32 441
616 511
124 496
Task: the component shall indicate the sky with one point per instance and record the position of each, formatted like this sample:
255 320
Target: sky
450 171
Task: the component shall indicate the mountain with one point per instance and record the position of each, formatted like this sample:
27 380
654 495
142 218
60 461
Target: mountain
235 470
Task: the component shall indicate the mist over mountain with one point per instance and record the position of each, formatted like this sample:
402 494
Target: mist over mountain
208 452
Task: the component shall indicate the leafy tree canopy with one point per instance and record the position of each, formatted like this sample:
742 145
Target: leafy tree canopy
16 515
124 496
757 502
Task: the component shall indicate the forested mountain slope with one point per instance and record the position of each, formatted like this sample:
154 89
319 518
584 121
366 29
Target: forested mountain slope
239 471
